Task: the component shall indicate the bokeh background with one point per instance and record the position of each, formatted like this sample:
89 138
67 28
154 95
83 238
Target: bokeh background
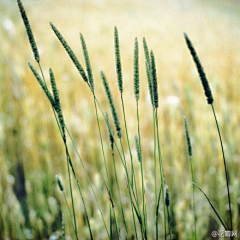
31 150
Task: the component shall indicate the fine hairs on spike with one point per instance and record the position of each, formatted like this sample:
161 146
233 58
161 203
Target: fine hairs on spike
42 84
112 106
29 31
200 69
118 60
70 52
136 70
59 183
57 105
87 61
109 130
154 80
189 146
139 154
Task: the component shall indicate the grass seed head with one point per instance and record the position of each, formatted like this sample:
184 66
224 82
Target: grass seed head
70 52
118 60
42 84
189 146
29 31
154 80
150 84
112 106
136 70
109 130
57 103
139 153
200 69
167 196
146 51
87 61
59 183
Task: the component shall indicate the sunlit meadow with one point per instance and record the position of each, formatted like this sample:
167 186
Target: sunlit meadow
32 152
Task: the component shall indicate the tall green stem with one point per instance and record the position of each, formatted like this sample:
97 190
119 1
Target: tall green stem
225 167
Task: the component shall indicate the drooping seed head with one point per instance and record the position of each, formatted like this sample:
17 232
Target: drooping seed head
109 130
202 75
42 84
70 53
154 80
136 70
29 31
112 106
138 148
189 146
87 61
59 183
118 60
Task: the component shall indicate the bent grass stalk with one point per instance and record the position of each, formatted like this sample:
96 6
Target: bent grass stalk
210 100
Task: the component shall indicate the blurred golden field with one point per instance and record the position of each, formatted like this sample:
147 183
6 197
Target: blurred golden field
31 149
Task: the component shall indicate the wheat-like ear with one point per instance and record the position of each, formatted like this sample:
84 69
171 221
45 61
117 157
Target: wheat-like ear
87 61
136 70
200 69
112 106
189 146
118 60
70 52
42 84
154 80
29 31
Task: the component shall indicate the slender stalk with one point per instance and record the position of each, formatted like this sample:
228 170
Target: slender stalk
189 148
119 193
133 178
161 170
142 178
225 167
134 223
193 199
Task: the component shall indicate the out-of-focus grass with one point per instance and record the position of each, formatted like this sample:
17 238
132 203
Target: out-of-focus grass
28 133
